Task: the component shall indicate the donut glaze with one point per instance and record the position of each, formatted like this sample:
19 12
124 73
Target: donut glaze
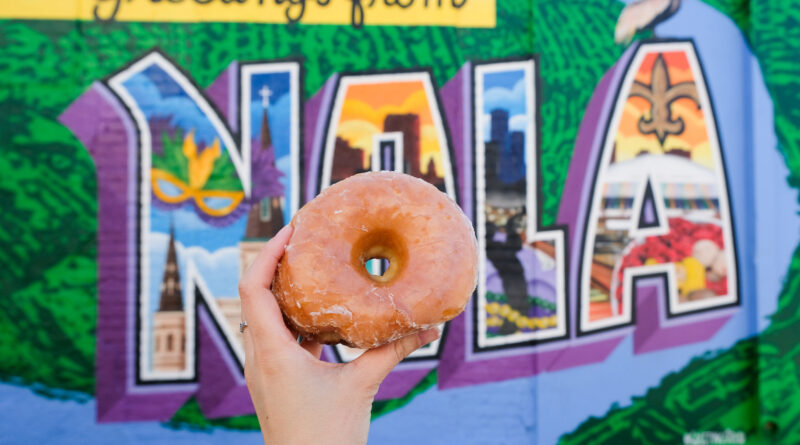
323 287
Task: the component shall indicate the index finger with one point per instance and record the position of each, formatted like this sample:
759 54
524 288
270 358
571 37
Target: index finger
260 273
259 308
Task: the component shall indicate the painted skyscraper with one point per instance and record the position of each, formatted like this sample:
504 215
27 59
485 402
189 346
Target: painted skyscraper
505 151
347 160
409 125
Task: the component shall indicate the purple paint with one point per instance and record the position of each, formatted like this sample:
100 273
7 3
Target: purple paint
399 383
654 331
222 391
316 112
222 94
455 371
588 350
649 217
458 115
388 157
105 129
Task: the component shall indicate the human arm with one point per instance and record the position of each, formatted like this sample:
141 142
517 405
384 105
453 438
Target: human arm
298 398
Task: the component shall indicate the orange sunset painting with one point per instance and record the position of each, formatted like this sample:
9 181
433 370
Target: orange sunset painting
662 113
402 107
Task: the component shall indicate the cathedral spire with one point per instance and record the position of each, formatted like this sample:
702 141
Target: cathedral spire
266 137
266 216
171 299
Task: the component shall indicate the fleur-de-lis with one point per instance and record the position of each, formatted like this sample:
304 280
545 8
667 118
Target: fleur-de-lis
661 94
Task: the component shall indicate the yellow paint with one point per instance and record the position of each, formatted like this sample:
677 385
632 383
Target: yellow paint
200 166
198 195
497 312
429 149
494 322
458 13
366 106
695 276
694 138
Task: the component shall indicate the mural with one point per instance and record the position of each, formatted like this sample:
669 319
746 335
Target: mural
196 177
626 183
521 292
661 201
196 184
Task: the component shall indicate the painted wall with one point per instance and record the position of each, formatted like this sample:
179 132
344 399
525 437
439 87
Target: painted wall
630 172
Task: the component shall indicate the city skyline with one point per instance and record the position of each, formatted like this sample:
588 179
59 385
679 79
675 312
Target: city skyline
504 152
347 157
505 119
366 106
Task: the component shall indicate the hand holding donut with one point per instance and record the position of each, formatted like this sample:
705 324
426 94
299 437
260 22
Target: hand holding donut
298 398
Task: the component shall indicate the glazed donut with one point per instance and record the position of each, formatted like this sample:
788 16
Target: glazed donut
322 284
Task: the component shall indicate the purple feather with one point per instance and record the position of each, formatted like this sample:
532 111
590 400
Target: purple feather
265 176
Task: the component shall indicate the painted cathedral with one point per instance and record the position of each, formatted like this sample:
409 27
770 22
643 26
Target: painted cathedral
264 220
169 322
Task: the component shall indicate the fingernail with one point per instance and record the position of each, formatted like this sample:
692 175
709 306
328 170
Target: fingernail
282 233
285 228
428 336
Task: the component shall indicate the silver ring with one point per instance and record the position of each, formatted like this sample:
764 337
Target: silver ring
242 325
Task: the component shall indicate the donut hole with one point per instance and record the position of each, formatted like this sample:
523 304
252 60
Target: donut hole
377 266
380 255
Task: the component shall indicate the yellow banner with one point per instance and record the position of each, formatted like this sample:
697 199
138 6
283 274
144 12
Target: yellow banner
459 13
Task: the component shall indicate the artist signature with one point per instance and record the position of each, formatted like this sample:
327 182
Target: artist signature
108 10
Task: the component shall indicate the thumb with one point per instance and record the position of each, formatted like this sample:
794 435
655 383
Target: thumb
374 365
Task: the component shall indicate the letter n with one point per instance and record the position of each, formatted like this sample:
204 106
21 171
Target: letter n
190 185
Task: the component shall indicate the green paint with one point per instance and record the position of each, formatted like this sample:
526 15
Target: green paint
172 159
191 417
574 40
48 259
533 301
383 407
223 176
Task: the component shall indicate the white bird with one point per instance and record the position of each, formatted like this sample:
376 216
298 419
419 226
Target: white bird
643 14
